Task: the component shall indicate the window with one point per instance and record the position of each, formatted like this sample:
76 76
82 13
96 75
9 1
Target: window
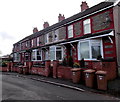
47 38
70 31
26 56
95 48
56 53
38 41
16 57
52 52
36 55
90 49
46 55
87 26
84 50
56 35
27 44
32 43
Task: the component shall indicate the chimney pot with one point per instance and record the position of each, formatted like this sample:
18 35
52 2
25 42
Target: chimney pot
35 30
60 18
84 6
45 25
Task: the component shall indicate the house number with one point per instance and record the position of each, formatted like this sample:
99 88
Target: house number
87 75
100 77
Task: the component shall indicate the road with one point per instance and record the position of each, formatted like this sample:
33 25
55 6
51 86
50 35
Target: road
18 88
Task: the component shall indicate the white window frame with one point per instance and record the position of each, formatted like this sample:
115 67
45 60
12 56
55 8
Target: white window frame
47 38
70 31
90 51
36 55
32 42
47 55
61 52
16 57
79 56
55 52
87 23
26 55
38 41
26 43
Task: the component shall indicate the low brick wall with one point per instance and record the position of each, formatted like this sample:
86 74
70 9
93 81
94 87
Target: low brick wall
3 69
34 70
64 72
15 69
41 71
110 67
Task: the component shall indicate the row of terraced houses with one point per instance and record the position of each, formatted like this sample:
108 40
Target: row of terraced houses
91 33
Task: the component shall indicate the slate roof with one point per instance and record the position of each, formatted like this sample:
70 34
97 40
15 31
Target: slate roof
72 18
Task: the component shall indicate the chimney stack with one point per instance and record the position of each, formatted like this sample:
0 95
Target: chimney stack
60 18
45 25
84 6
35 30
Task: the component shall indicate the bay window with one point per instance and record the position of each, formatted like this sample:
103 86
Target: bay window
56 53
84 50
70 31
52 52
90 49
87 26
16 57
46 55
95 48
26 56
36 55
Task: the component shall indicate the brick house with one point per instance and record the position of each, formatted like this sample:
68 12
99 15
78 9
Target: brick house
91 33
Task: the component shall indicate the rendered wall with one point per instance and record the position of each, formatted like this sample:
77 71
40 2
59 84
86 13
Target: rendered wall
116 12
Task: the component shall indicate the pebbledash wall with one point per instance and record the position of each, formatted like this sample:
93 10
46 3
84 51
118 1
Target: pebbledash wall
91 33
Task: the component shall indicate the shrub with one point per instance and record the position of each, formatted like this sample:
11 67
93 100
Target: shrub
64 62
70 61
4 64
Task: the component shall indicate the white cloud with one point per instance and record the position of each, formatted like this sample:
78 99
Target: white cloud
5 35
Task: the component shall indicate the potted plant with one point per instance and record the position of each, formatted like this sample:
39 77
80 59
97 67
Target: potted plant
76 65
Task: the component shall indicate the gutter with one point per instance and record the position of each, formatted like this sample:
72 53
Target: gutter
116 3
90 36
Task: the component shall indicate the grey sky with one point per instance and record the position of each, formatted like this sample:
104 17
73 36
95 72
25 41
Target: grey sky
18 17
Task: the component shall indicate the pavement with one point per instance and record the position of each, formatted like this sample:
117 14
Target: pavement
113 86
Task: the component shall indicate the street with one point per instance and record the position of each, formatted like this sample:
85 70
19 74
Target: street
18 88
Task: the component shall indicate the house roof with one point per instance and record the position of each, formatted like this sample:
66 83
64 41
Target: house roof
79 15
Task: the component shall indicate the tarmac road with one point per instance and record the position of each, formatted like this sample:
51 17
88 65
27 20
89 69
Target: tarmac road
18 88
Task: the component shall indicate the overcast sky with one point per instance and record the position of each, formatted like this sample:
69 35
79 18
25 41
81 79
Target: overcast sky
18 17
